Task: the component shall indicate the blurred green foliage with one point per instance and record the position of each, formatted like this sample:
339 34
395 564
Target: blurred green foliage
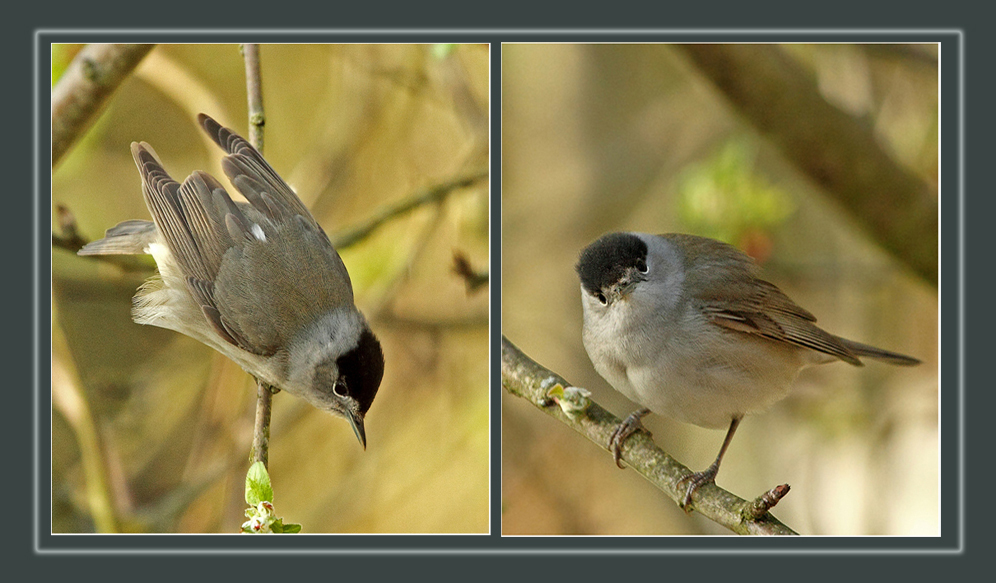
724 196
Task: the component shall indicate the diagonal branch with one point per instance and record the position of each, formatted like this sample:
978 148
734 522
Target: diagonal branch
838 152
523 377
93 76
429 195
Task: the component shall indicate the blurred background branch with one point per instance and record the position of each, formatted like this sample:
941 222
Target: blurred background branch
69 401
523 377
474 279
432 194
85 87
70 238
837 151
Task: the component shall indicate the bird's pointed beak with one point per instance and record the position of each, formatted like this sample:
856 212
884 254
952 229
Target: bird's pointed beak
628 283
625 288
356 421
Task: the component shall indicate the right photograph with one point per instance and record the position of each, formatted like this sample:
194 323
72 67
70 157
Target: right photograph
720 289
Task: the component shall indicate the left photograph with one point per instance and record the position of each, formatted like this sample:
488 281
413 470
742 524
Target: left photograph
270 289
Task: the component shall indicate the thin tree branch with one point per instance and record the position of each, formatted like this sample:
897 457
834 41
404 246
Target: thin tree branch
390 320
86 86
254 91
264 395
839 152
70 238
474 279
765 502
523 377
260 451
429 195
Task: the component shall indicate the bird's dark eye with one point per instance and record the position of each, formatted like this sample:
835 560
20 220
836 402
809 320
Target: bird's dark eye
339 388
601 297
641 265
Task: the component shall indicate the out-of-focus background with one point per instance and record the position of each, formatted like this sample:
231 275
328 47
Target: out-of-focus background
151 430
599 138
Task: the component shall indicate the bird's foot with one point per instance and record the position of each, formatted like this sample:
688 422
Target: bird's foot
628 427
695 481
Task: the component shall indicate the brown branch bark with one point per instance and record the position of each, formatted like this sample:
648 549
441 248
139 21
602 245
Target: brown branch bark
86 86
254 93
260 451
264 395
523 377
840 153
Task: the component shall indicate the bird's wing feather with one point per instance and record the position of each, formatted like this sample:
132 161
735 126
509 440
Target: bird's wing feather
731 295
260 271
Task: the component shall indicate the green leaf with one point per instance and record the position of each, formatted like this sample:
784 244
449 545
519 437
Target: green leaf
258 485
279 527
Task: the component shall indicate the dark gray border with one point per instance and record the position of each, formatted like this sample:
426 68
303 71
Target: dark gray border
952 231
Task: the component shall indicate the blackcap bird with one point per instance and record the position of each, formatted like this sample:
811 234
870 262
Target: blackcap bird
259 282
683 326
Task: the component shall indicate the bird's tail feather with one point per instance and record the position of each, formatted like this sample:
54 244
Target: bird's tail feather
881 354
128 238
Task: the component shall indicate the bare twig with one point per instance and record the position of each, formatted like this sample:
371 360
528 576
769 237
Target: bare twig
85 88
475 280
254 90
765 502
70 238
260 451
429 195
264 395
523 377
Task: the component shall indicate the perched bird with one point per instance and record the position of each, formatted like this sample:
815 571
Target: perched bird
259 282
683 326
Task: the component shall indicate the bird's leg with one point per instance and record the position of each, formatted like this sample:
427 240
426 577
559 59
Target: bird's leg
628 427
709 474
